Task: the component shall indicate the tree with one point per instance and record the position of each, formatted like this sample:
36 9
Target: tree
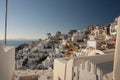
25 62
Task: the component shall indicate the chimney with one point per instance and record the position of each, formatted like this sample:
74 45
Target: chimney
116 70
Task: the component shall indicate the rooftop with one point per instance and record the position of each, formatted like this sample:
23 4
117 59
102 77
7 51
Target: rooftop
33 74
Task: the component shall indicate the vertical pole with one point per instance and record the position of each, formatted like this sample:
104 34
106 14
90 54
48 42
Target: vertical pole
116 70
6 21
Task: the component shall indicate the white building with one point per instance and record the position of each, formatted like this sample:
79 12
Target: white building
92 43
95 31
81 33
69 68
113 28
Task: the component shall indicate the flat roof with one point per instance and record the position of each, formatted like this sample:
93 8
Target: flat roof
7 48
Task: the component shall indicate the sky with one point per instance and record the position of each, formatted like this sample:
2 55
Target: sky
33 19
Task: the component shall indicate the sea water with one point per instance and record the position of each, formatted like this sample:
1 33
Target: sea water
16 43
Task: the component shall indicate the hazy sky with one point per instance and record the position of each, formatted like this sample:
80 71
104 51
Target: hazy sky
32 19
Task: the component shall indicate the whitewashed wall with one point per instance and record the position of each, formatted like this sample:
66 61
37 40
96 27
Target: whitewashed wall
7 63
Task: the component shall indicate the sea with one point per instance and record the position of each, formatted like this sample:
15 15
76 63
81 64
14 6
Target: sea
16 43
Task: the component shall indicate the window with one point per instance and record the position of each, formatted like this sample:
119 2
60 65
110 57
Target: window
83 66
97 77
96 53
59 78
48 77
89 66
78 75
113 30
95 70
74 74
